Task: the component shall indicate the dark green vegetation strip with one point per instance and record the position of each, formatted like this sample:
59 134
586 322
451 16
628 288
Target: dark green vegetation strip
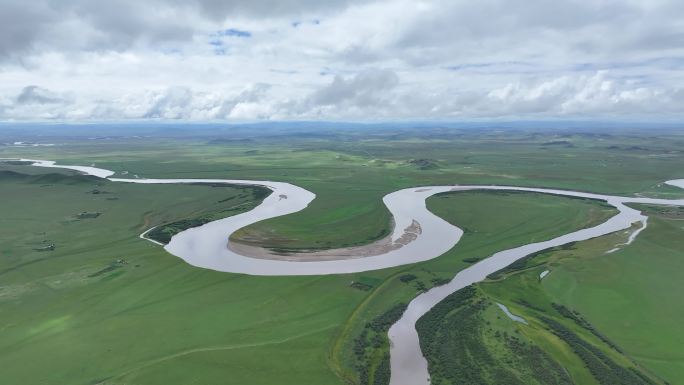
371 348
463 348
602 367
249 198
580 321
526 262
48 178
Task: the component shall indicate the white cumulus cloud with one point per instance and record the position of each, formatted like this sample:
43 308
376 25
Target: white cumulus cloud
340 59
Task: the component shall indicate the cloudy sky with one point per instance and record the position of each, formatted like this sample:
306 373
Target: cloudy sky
235 60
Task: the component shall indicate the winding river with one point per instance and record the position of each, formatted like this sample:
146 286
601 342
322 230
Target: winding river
207 246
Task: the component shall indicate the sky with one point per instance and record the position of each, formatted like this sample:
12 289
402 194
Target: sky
247 60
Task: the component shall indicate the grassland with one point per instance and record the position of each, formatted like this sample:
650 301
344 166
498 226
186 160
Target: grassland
632 295
69 317
105 306
239 199
523 218
350 170
555 345
623 304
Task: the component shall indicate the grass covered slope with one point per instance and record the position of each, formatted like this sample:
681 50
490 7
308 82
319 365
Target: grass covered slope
604 318
633 295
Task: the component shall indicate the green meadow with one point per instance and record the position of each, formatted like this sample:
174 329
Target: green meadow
107 307
350 170
623 303
633 295
84 300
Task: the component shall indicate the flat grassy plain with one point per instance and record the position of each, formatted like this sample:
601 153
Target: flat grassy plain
77 315
106 306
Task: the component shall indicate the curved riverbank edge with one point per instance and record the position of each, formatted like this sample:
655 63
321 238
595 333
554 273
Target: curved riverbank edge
206 246
380 246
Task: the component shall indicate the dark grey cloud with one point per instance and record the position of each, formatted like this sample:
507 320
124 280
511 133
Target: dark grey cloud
220 9
21 23
119 24
38 95
26 26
